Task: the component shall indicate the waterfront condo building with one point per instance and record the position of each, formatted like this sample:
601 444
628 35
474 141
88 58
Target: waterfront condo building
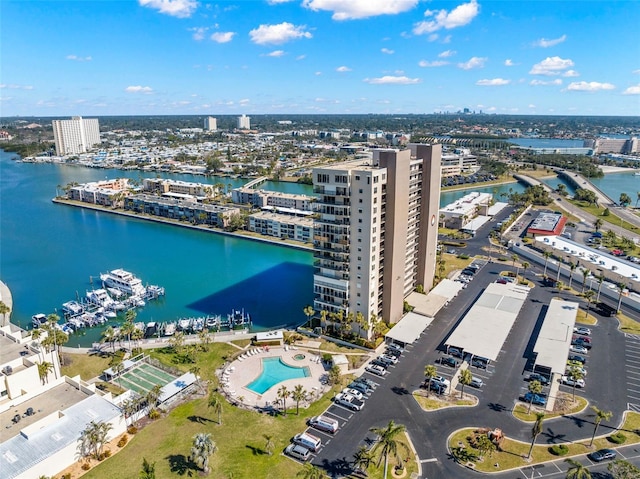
376 231
244 122
75 136
210 124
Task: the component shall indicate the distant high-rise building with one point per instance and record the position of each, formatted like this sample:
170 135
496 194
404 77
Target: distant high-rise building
210 124
375 236
76 135
244 122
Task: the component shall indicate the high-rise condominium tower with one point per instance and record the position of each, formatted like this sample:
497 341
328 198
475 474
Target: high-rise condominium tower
244 122
376 234
76 135
210 123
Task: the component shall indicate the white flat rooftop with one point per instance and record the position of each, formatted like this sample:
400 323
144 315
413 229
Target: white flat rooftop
554 338
429 304
409 328
485 327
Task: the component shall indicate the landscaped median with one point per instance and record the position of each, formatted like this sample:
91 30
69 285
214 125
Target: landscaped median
564 407
432 402
475 449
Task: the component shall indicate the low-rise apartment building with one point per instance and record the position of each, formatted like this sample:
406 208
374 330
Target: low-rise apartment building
262 198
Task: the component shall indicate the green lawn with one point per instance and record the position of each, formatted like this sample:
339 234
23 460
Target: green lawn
432 402
520 411
612 219
628 325
87 366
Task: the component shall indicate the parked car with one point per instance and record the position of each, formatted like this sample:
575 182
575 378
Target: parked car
576 358
392 352
441 380
581 343
468 271
307 440
579 368
434 386
298 452
362 387
569 381
371 384
480 363
476 382
576 348
455 352
376 369
390 358
395 347
602 454
448 361
379 362
537 399
349 401
324 423
538 377
581 330
355 393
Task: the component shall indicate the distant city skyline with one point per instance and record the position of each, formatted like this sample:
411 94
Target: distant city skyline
196 57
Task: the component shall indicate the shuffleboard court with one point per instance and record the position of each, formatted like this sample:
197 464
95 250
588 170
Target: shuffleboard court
156 372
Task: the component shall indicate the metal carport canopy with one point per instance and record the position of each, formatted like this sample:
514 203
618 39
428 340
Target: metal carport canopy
409 328
484 329
556 333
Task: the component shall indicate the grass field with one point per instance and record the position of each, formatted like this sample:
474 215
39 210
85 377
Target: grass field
628 325
87 366
612 219
520 411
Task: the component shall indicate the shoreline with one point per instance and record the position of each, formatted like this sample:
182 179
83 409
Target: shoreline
446 189
156 219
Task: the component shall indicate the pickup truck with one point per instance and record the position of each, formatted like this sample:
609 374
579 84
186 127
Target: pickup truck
349 401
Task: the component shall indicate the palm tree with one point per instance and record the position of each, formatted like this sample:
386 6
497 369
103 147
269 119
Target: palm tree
600 281
387 442
109 336
309 471
514 258
127 329
559 285
572 267
117 370
215 403
93 438
600 416
535 387
148 470
547 255
268 445
299 394
464 379
309 312
597 224
284 393
577 470
585 274
525 265
195 370
575 374
535 431
44 368
589 295
153 395
430 372
621 288
362 458
201 450
4 309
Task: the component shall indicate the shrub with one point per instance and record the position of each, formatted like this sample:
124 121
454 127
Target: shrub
132 429
502 258
154 414
107 453
463 256
123 441
86 466
617 438
559 450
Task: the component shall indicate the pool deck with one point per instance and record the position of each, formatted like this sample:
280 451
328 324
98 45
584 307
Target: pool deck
241 372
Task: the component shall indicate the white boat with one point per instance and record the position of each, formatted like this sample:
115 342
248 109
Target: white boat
238 318
637 173
123 281
100 297
38 320
110 314
170 329
72 308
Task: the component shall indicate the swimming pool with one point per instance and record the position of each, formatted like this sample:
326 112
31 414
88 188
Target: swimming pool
274 371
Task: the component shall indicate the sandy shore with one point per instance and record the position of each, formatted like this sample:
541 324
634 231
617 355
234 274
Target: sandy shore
606 169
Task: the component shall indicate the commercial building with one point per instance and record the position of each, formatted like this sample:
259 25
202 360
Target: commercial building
210 124
282 226
547 224
459 161
75 136
457 214
244 122
262 198
613 145
375 235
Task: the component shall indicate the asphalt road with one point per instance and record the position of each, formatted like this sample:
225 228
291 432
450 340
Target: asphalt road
607 387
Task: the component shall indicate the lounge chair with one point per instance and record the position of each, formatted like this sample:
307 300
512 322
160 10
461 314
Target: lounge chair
286 348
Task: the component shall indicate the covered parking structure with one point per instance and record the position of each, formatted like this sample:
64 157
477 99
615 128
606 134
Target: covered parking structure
554 340
438 297
485 327
408 329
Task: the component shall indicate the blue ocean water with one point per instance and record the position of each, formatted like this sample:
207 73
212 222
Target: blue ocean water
616 183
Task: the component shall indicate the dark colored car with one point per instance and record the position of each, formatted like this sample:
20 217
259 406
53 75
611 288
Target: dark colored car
575 357
371 384
469 271
479 363
537 399
580 342
538 377
602 455
392 352
448 361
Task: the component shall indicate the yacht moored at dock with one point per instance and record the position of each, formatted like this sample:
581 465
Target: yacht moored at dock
123 281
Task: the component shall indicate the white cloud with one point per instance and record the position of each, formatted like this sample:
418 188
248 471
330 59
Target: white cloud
447 54
301 57
571 73
509 62
280 33
355 9
244 101
387 51
275 2
458 17
531 105
198 33
493 82
589 86
433 37
632 90
12 86
318 74
392 80
636 72
536 82
436 63
222 37
175 8
276 53
79 59
474 62
551 66
138 89
343 69
544 43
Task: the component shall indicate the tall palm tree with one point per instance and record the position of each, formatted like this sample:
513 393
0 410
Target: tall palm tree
621 288
525 265
465 379
195 370
430 372
127 329
572 267
215 403
299 394
309 312
362 459
148 470
309 471
514 258
284 393
589 296
109 336
268 445
585 274
202 449
600 281
535 387
575 374
577 470
597 224
153 395
547 255
388 442
600 416
44 368
4 309
535 431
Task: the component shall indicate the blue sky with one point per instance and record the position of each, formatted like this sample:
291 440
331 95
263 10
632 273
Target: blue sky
145 57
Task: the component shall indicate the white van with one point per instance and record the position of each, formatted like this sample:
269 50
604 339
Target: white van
324 423
307 440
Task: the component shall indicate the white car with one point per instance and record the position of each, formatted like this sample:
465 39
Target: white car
375 369
582 370
389 357
441 380
353 392
582 330
571 382
574 348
